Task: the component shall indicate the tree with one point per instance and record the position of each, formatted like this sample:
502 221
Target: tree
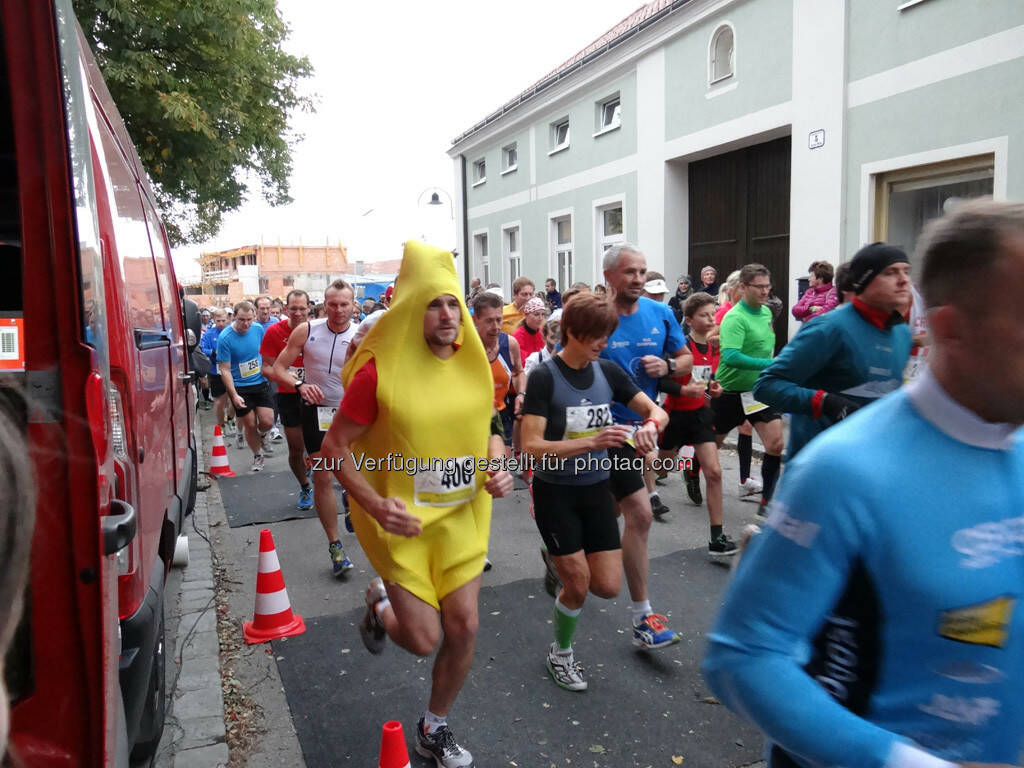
206 91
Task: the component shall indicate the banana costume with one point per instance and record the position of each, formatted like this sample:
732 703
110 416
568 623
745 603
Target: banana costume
428 410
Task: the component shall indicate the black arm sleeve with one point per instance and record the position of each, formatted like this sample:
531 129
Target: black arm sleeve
623 388
540 388
669 386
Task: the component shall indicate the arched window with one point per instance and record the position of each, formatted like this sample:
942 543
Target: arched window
722 54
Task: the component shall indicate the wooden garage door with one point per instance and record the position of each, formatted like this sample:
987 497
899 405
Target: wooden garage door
739 213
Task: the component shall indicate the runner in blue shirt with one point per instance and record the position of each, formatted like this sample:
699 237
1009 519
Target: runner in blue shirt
240 365
923 667
647 344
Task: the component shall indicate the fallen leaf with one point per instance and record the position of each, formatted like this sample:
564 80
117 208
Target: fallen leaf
597 749
677 759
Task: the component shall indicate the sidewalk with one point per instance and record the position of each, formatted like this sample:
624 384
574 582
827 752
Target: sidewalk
194 735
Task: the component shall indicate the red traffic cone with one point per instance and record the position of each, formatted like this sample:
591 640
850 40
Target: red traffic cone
393 753
219 455
273 617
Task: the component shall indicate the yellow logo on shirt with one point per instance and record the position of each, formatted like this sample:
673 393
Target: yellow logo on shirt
981 624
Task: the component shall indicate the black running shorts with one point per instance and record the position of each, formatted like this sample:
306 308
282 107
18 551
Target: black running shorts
729 414
216 384
288 404
575 517
688 428
255 397
312 435
628 478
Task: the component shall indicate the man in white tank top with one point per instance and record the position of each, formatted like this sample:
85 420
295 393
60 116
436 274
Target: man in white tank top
323 345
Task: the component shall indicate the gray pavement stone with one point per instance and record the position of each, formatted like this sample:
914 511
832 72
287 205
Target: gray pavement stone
201 644
199 673
196 584
202 702
202 757
199 621
196 601
201 732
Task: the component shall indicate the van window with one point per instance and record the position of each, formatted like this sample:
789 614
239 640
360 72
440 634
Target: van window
132 243
79 114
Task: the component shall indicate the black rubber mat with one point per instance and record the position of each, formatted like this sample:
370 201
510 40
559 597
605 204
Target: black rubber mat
642 708
262 497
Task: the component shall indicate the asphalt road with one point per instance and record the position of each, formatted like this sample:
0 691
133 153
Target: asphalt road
321 698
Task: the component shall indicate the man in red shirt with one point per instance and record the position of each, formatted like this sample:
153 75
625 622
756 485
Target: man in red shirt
274 341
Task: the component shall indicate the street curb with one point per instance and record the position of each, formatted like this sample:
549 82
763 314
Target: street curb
194 732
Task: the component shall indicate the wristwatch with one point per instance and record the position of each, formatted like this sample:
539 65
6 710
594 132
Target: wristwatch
671 363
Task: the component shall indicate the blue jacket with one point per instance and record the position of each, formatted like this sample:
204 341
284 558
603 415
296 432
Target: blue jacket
839 352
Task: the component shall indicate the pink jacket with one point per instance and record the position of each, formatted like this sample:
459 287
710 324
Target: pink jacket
823 296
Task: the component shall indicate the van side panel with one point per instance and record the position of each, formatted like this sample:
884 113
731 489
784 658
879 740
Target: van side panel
70 715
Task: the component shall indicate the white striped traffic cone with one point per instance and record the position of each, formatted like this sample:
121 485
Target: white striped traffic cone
273 617
219 455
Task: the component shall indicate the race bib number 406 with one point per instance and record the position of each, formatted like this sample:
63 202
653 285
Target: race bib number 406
586 420
445 483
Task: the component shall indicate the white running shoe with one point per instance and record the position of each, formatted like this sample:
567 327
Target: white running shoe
257 463
565 670
275 434
750 487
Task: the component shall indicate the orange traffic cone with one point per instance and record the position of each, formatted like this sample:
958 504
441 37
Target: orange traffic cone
273 617
393 753
219 455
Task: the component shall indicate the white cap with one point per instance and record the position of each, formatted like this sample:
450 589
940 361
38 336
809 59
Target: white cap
656 287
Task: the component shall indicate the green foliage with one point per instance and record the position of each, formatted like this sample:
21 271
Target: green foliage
206 91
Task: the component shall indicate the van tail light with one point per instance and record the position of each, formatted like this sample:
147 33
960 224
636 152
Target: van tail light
118 437
130 589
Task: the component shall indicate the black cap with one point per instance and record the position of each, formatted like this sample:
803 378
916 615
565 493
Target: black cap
870 261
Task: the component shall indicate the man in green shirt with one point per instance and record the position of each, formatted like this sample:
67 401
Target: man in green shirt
747 343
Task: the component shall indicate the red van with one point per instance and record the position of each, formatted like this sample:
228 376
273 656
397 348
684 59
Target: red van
94 341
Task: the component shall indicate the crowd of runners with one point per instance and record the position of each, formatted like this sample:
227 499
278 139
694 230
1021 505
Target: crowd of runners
871 622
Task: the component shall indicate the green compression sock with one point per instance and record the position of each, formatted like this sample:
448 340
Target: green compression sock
565 624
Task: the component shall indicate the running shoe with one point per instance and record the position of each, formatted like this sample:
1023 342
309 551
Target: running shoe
722 546
652 632
441 746
750 487
275 434
693 488
240 443
660 478
762 509
371 628
552 582
339 560
257 463
658 508
305 498
268 449
565 670
487 564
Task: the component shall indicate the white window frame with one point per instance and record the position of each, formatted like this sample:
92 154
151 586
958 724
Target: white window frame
554 247
714 80
553 134
480 259
478 166
508 256
600 107
508 167
601 241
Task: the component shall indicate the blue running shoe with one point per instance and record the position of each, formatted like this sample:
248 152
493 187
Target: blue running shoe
305 498
339 560
348 523
652 632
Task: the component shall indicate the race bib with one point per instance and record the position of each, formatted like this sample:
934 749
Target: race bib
299 373
915 365
446 484
586 420
750 405
324 417
701 374
249 368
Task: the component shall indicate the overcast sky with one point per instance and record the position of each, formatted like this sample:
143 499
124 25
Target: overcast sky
395 82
